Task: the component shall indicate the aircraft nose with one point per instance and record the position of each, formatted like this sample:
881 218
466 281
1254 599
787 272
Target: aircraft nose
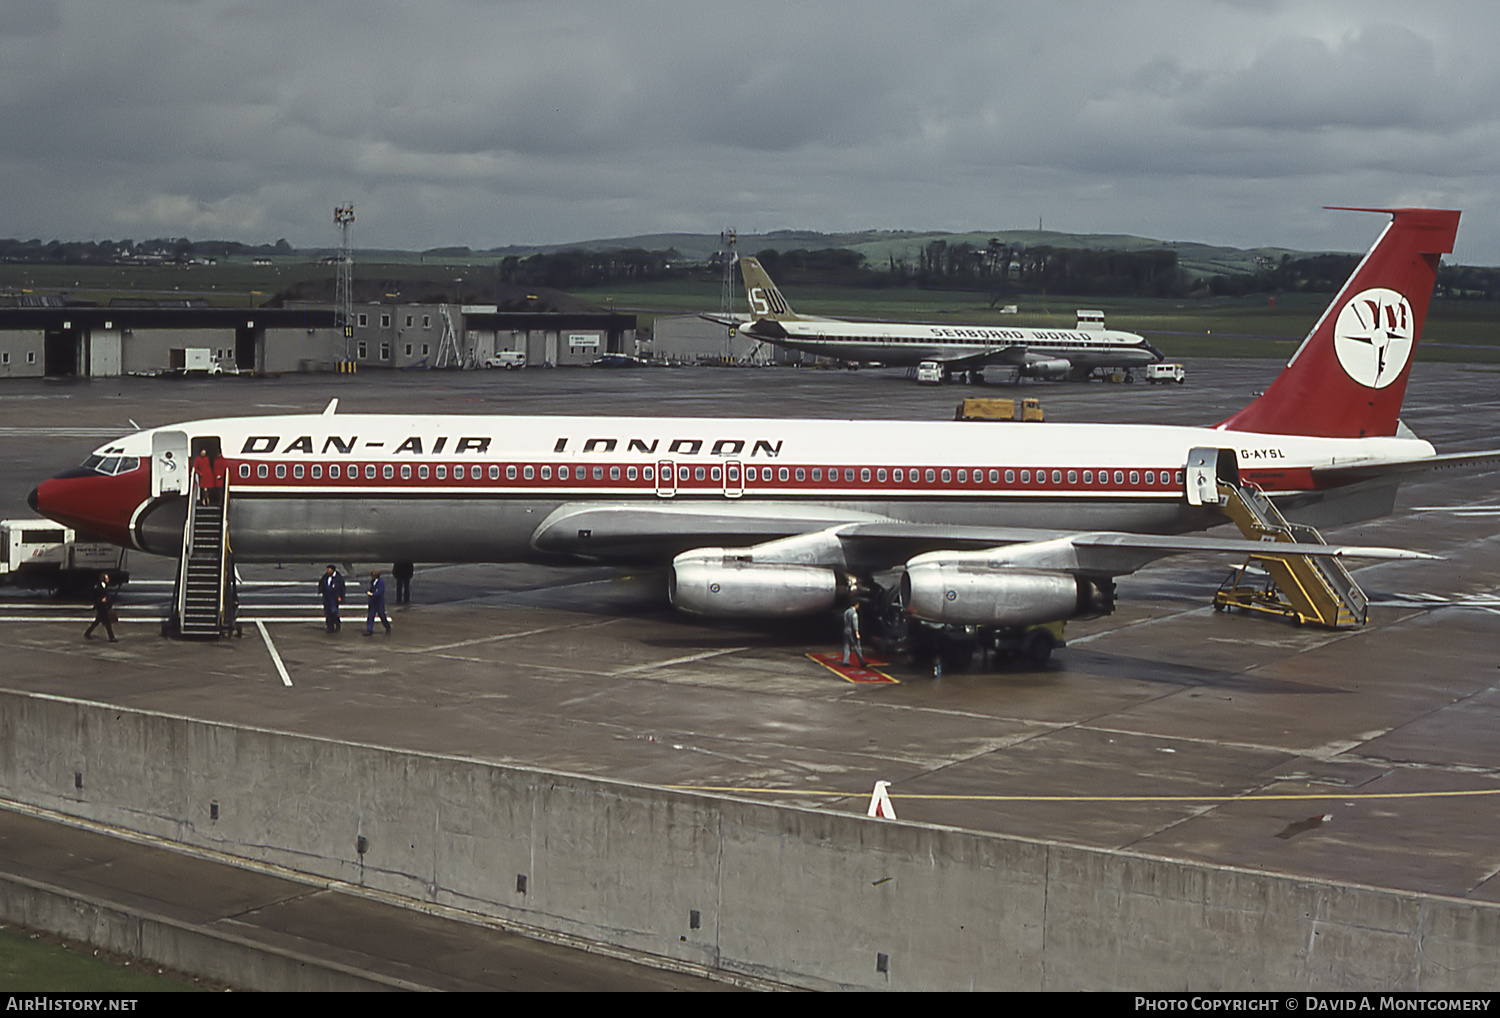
31 500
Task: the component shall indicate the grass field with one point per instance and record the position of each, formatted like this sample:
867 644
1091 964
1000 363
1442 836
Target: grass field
37 962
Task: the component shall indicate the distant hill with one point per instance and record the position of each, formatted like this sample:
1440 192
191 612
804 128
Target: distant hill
879 246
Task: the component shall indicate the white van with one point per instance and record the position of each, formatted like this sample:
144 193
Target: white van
929 373
1165 373
507 359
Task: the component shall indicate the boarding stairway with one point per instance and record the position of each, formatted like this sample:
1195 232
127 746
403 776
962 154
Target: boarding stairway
1304 588
203 599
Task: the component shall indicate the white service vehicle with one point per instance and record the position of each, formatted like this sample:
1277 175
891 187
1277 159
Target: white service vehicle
929 373
507 359
193 360
1166 373
42 554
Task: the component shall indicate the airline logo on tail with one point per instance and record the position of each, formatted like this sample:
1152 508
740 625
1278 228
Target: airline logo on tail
1374 336
765 300
1348 378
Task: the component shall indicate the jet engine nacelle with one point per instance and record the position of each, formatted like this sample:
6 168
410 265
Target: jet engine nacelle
957 594
712 582
1055 368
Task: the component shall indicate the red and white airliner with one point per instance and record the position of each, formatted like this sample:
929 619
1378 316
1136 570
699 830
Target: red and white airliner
1014 525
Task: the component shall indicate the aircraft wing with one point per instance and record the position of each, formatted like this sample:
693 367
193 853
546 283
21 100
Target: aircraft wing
1013 355
629 532
848 540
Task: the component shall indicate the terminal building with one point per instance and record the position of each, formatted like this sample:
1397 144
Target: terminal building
45 337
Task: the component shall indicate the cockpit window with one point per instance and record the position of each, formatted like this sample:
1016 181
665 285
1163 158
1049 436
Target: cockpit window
111 465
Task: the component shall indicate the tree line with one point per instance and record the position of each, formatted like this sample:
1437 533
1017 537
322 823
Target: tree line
997 269
161 250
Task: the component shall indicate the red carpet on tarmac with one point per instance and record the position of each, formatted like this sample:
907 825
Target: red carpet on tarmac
852 672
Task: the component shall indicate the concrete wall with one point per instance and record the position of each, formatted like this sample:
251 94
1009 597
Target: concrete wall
804 896
291 350
183 946
21 353
151 349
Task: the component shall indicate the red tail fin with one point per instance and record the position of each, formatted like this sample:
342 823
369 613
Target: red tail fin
1348 378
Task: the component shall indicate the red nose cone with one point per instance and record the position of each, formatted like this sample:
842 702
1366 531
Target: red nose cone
95 505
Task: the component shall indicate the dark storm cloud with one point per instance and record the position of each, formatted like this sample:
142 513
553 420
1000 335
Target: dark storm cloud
484 123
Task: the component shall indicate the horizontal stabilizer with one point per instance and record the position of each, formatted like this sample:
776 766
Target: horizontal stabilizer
1461 462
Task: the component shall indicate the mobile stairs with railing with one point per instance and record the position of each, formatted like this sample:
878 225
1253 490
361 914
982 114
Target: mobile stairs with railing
1303 588
204 596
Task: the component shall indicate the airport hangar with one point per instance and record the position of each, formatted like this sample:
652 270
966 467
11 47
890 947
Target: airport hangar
52 339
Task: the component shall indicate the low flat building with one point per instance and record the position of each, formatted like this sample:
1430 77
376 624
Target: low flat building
101 342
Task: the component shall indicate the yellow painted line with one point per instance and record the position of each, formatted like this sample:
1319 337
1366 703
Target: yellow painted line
1264 797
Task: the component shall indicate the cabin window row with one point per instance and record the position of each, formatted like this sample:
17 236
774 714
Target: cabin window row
423 472
898 475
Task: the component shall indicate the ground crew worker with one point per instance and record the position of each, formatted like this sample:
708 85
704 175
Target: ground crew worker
403 571
331 589
104 609
376 596
851 636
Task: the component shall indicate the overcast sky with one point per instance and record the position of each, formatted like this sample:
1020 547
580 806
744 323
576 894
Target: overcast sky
492 122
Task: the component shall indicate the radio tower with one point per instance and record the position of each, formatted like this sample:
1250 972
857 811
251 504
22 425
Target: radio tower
727 241
343 298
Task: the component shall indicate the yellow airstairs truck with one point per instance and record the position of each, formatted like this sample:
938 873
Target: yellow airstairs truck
1303 588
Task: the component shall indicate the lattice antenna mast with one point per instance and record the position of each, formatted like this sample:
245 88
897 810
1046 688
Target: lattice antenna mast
343 298
727 241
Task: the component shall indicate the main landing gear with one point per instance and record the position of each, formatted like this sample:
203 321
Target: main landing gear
895 634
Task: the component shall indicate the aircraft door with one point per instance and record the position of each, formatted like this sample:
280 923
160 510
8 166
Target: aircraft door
1205 469
169 463
666 479
734 479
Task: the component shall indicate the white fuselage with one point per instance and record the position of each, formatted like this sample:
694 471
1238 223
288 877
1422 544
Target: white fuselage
900 344
477 489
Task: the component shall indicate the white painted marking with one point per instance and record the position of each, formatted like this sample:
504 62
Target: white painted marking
480 639
59 618
149 618
74 432
678 660
286 680
1078 641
